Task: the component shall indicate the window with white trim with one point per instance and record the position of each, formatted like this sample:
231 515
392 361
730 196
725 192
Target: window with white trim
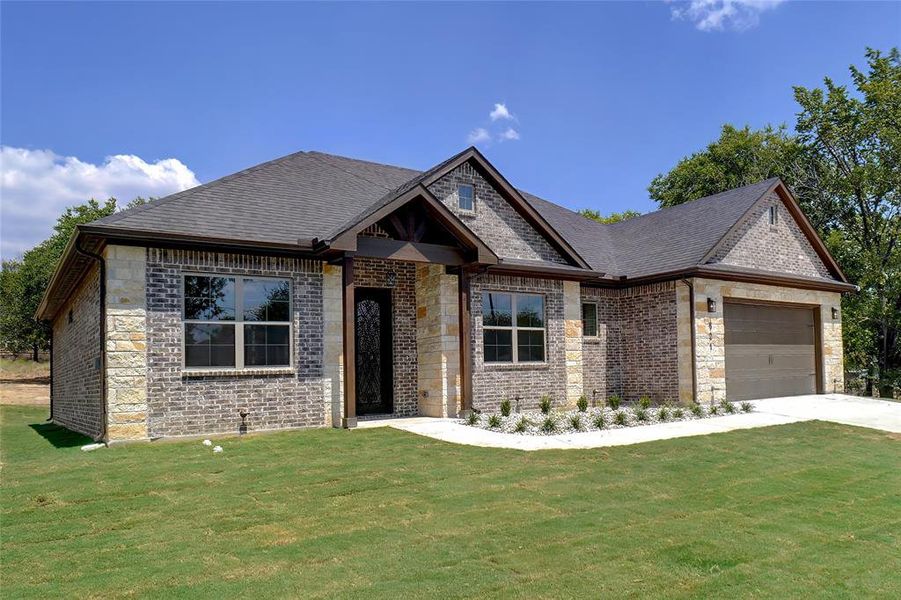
513 327
590 319
466 198
236 322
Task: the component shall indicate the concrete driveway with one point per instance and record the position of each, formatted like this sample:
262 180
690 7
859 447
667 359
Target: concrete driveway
837 408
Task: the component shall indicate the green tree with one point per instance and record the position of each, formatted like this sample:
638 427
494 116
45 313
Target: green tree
739 157
611 218
853 142
844 166
22 282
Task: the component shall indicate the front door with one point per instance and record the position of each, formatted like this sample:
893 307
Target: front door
373 351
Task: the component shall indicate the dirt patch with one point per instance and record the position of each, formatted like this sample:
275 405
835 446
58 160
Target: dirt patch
31 394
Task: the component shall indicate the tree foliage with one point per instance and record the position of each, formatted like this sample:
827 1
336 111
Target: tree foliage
23 281
611 218
843 162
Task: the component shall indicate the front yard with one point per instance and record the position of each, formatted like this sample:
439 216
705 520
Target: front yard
810 509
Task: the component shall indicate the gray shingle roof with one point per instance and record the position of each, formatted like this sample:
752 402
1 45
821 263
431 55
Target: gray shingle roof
299 196
310 195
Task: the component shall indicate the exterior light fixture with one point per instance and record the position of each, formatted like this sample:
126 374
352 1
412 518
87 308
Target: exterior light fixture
711 305
391 279
834 313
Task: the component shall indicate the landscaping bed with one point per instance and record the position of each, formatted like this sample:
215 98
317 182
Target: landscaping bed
614 415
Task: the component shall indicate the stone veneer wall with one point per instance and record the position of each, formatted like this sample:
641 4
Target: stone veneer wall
126 342
572 327
710 331
635 353
782 247
76 388
492 382
183 403
373 272
494 220
333 330
437 341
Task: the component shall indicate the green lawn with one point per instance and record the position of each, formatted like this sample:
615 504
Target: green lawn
810 509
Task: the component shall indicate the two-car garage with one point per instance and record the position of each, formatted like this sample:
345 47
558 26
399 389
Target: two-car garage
771 350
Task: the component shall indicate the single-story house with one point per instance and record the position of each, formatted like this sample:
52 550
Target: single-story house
316 290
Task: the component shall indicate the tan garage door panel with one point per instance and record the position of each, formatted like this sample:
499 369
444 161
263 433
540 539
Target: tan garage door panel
770 351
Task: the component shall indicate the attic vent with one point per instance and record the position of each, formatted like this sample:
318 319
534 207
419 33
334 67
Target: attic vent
774 215
71 318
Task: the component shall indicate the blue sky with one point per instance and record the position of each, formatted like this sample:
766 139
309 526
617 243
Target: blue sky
602 96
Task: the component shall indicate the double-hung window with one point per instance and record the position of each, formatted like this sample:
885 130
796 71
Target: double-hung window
236 322
513 327
589 319
466 198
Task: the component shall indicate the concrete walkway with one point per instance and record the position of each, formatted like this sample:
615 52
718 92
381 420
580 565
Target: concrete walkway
838 408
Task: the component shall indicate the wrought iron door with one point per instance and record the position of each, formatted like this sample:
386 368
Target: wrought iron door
374 356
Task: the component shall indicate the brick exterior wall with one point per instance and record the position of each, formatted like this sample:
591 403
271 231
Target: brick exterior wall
635 353
494 220
76 360
182 404
493 382
373 272
782 247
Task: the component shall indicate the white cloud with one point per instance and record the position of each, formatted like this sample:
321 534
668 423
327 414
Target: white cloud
717 15
37 185
509 134
500 112
479 135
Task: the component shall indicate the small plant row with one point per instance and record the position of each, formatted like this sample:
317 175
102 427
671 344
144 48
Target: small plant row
613 415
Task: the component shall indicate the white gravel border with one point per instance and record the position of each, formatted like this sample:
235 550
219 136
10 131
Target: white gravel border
534 423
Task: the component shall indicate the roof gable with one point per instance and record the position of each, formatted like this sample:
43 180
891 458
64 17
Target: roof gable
790 245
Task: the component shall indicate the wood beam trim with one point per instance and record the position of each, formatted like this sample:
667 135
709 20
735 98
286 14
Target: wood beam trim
350 355
411 251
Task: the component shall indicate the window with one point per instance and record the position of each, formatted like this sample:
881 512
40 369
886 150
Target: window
465 198
237 322
774 215
589 319
513 327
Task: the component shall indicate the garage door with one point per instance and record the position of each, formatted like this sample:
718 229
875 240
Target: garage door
770 351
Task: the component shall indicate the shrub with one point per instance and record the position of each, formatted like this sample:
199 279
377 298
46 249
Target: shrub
678 413
714 409
473 418
621 418
521 425
746 407
582 404
641 413
599 421
644 402
575 422
614 401
549 424
663 413
728 407
545 405
494 421
697 410
505 407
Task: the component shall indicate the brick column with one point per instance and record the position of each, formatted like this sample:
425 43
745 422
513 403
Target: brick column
126 343
572 318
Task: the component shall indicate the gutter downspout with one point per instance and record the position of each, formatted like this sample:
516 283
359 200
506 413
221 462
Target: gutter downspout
51 373
102 264
694 350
